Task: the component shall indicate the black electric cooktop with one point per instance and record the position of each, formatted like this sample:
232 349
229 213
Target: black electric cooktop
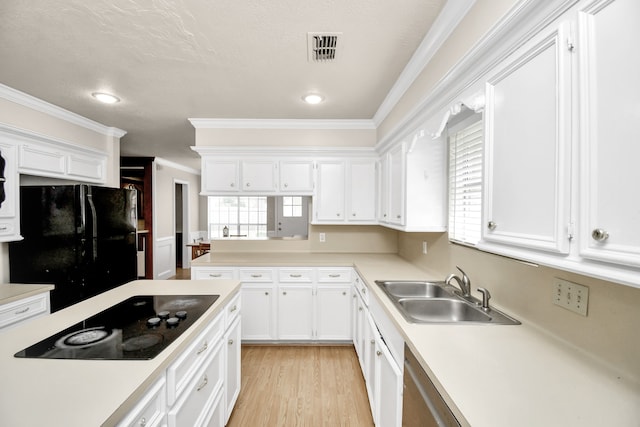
137 328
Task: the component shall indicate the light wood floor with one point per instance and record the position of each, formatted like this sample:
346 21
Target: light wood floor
182 273
304 386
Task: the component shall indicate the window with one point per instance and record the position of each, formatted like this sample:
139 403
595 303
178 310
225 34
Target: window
465 180
292 206
243 216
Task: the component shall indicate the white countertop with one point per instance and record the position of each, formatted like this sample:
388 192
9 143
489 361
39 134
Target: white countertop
40 392
490 375
10 292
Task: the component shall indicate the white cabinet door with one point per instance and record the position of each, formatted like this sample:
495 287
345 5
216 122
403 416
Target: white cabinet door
295 312
388 388
527 144
10 206
296 176
610 208
220 175
232 341
371 337
359 319
396 186
361 191
259 175
333 312
258 312
329 198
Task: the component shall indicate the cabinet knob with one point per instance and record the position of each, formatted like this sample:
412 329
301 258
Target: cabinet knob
373 341
353 214
378 353
284 293
398 216
599 235
204 383
359 308
266 293
143 422
344 292
230 342
338 214
234 308
491 225
232 185
286 185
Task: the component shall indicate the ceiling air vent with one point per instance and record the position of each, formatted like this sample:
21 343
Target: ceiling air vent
323 47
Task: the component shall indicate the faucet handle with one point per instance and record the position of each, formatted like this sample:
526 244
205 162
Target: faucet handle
465 278
486 296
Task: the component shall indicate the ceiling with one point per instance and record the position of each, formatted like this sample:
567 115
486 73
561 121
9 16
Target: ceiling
170 60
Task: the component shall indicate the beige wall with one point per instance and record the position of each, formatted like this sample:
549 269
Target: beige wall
339 238
163 198
286 137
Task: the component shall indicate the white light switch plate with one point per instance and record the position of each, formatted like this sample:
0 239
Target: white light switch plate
571 296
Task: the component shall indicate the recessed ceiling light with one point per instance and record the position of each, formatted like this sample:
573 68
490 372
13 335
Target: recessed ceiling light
105 97
313 98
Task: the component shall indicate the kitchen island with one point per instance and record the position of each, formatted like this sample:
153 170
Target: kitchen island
91 392
489 375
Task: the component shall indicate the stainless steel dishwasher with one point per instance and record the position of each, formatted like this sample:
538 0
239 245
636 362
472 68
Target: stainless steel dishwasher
422 405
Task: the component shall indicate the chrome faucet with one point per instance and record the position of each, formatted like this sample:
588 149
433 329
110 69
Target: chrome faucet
464 283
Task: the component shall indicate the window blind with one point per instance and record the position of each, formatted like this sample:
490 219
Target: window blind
465 184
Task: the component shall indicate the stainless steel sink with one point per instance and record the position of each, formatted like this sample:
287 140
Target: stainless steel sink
408 288
437 302
441 310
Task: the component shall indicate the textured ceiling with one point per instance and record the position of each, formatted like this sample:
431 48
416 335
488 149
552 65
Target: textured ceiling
169 60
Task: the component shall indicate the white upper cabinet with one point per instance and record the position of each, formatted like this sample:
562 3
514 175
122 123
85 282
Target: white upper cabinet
345 191
609 92
220 175
413 185
528 146
329 198
259 175
361 191
9 207
296 176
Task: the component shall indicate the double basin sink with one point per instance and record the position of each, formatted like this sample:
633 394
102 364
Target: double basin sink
437 302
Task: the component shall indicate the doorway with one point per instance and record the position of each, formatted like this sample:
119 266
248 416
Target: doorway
181 226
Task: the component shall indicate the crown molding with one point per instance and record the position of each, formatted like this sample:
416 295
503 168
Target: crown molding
174 165
27 135
446 22
282 124
34 103
285 151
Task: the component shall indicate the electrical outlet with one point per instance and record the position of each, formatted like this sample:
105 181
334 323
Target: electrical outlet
424 247
571 296
323 237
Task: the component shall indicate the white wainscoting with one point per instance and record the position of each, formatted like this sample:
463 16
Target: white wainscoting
165 258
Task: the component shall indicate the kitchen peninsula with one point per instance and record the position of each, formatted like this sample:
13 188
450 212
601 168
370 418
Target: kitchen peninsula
39 391
490 376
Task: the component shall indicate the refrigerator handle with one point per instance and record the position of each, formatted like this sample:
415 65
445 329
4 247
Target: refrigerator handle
94 227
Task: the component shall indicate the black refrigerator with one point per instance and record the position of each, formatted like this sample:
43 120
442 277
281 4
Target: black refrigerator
80 238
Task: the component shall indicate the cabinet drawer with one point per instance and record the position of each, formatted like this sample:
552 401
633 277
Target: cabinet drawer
86 167
181 372
232 310
199 397
334 275
213 273
297 275
150 410
42 159
361 288
256 275
18 311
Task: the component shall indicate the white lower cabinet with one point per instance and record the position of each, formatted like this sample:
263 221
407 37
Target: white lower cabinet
200 387
150 410
259 311
388 387
200 394
232 341
25 309
292 303
295 312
